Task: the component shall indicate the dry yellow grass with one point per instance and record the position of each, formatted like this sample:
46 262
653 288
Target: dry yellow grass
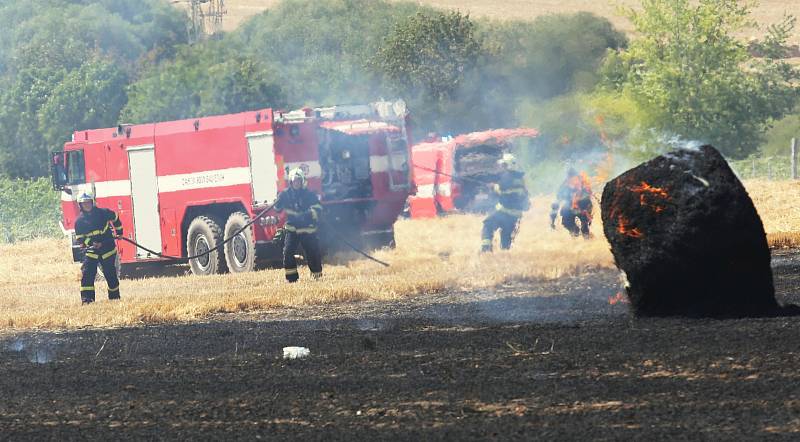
767 12
39 284
778 203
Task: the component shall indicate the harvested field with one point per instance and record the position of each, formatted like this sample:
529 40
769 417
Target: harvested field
432 256
540 360
767 12
529 344
39 283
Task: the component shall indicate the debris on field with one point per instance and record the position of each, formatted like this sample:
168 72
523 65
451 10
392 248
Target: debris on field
295 352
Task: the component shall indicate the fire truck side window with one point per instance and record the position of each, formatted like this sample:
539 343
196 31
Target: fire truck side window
76 170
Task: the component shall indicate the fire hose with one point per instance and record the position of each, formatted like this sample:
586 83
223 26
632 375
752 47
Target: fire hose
242 229
439 172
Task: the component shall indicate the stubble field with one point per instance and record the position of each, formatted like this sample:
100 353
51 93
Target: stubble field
767 12
39 283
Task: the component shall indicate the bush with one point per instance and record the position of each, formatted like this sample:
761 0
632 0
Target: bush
321 48
28 209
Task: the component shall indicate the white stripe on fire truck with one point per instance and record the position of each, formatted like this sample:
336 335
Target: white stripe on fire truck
102 189
426 190
205 179
168 183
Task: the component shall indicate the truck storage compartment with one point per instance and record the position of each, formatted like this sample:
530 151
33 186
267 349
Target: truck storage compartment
344 160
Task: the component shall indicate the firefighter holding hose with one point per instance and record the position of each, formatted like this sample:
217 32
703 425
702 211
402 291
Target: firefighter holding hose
573 203
513 201
303 211
93 233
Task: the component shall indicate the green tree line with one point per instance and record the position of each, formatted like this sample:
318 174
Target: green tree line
74 64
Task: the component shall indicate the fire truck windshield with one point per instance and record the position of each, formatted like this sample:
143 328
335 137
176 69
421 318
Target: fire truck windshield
68 168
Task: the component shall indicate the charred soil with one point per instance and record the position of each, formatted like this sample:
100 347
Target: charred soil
530 360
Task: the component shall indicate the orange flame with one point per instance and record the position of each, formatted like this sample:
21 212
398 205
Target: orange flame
603 170
644 189
619 297
623 227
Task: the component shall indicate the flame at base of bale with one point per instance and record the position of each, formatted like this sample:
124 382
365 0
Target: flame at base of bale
689 239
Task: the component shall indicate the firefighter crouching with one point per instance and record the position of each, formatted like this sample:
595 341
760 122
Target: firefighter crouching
303 210
513 201
93 233
573 203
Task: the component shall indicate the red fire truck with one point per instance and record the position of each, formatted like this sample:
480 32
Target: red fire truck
180 187
455 174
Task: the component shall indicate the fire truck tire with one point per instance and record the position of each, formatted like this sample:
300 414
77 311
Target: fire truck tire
205 234
240 253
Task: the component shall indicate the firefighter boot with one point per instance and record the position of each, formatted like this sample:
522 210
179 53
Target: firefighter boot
490 224
88 273
292 275
109 265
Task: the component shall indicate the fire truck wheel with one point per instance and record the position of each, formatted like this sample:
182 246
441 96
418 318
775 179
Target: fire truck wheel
240 253
205 234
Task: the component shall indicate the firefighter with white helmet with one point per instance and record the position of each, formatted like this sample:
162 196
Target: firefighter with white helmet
513 201
93 232
303 211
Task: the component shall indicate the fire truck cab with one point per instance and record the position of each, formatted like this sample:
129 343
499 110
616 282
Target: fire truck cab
180 187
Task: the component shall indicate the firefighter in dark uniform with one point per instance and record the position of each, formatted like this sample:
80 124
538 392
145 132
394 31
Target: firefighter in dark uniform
93 232
573 203
303 211
513 201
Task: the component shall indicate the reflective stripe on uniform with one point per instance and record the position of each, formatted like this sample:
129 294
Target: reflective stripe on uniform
115 289
513 212
111 253
86 289
291 271
486 242
292 212
519 190
91 234
98 232
290 228
92 255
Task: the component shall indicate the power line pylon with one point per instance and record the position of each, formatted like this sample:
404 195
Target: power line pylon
205 18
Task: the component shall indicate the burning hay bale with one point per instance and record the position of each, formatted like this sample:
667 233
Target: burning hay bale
686 234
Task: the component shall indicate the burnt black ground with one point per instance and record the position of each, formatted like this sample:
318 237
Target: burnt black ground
482 365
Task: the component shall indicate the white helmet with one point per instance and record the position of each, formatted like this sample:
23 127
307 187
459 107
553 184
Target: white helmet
85 196
508 160
297 173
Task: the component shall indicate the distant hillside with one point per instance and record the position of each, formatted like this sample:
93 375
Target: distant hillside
769 11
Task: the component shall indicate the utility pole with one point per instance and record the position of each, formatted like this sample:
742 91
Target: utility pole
205 18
